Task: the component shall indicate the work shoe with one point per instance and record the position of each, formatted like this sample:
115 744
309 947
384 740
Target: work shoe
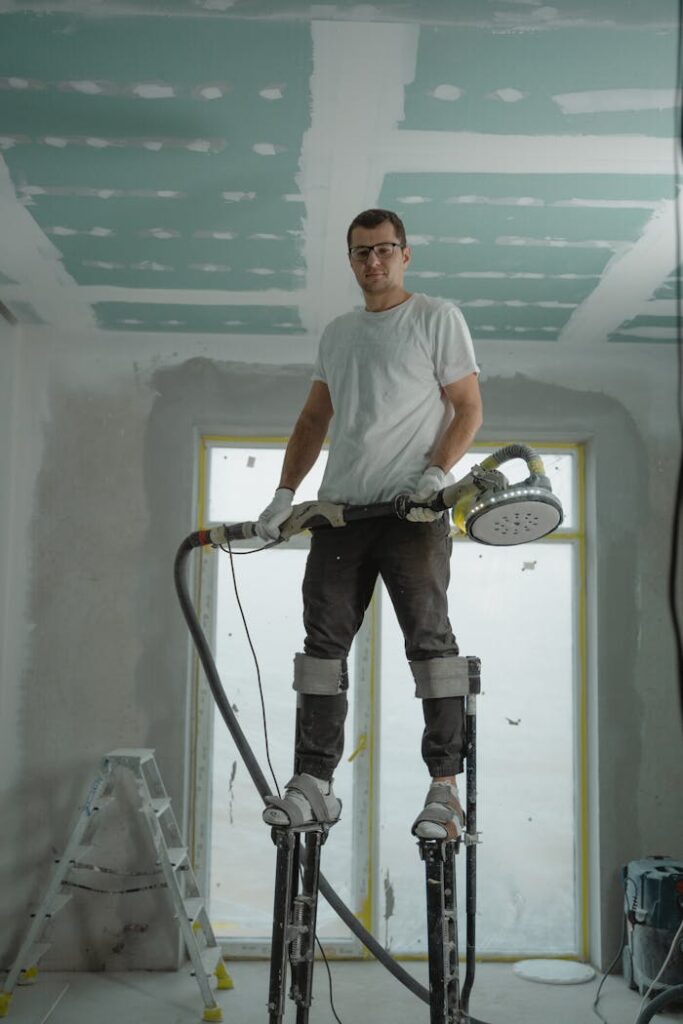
307 802
443 816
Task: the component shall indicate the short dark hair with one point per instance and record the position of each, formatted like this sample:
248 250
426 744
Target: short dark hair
373 219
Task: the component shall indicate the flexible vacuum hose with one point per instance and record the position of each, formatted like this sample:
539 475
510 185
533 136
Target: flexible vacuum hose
515 451
659 1002
468 493
254 769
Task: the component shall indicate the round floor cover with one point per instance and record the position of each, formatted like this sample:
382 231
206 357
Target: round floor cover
554 972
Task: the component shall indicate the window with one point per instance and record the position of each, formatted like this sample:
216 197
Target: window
518 609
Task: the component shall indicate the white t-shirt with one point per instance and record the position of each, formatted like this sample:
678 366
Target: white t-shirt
385 372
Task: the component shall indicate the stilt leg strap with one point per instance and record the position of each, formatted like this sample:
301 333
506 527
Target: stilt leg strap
442 808
320 812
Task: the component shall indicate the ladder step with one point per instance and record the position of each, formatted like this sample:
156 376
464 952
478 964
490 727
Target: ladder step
141 754
193 907
211 956
177 855
161 805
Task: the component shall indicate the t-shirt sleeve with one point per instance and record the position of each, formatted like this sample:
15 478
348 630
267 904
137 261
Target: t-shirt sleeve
454 356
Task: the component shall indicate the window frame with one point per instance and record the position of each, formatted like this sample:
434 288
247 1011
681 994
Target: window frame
365 901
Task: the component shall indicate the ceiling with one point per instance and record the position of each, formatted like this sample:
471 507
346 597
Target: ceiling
190 166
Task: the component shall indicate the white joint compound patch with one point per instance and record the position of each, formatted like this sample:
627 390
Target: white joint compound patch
508 95
603 101
449 93
154 91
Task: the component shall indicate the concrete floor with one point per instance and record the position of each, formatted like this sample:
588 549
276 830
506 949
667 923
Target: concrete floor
362 992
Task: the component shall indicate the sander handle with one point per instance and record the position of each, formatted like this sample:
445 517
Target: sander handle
313 514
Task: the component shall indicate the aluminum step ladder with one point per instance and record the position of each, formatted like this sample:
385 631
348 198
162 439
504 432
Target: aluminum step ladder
174 862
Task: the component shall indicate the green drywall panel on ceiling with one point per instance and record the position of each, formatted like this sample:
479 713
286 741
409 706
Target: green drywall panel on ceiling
132 168
180 253
4 279
70 48
202 319
574 224
511 259
129 216
645 330
185 52
486 222
471 289
247 56
137 275
629 12
498 12
538 65
620 12
544 188
528 317
670 288
240 118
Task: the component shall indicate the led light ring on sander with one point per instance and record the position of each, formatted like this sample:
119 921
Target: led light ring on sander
492 511
517 515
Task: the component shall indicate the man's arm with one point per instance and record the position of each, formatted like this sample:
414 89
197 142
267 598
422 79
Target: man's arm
308 436
465 397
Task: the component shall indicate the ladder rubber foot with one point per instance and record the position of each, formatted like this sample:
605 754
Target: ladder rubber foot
213 1013
5 1000
224 980
29 976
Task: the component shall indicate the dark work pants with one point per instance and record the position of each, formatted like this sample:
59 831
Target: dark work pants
413 559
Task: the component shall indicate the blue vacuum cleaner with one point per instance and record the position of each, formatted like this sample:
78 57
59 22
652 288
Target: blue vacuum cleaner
653 906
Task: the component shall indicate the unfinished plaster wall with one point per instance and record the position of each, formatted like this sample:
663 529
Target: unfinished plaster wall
104 476
9 337
21 408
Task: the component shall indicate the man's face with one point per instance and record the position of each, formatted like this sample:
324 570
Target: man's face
379 275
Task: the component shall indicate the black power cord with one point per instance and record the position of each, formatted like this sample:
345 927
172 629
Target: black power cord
622 943
253 654
329 979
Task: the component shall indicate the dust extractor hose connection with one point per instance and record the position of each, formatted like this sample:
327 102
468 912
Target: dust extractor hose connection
492 511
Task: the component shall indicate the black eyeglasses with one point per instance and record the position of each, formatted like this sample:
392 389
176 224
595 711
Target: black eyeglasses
361 253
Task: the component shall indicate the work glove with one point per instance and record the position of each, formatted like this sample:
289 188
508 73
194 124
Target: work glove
274 515
432 480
